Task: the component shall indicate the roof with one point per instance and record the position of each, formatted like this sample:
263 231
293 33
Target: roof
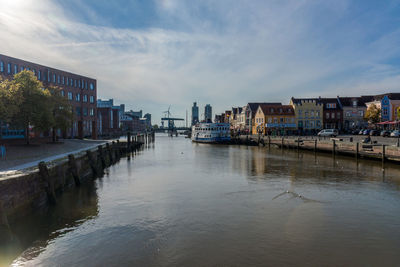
277 109
392 96
254 106
361 100
298 101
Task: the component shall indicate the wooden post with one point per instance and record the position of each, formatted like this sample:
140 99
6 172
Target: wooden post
44 173
357 150
269 141
109 153
282 143
315 145
128 137
73 168
383 153
92 163
101 156
298 143
333 147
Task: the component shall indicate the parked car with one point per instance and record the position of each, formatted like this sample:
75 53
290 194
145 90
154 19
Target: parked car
366 132
329 132
374 132
355 132
395 133
385 133
361 132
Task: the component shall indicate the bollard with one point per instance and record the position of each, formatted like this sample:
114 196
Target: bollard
49 186
92 163
383 153
73 168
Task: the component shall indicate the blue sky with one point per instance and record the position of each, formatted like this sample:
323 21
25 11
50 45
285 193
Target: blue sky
150 54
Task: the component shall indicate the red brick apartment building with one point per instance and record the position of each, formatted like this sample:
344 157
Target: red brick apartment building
80 90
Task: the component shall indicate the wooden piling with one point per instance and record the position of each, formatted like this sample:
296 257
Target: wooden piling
383 153
49 185
128 144
73 168
108 148
315 145
92 163
357 150
282 143
100 156
333 147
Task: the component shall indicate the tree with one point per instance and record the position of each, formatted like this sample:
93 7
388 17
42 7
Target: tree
35 108
62 114
373 114
10 100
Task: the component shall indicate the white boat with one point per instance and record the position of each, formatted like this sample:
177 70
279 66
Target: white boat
211 133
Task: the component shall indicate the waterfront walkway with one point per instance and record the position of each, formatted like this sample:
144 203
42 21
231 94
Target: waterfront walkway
20 156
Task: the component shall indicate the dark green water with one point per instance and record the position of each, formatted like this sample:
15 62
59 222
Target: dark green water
182 204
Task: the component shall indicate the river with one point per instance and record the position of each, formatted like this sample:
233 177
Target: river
177 203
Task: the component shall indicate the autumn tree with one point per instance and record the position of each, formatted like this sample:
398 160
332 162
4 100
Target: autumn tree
35 108
373 114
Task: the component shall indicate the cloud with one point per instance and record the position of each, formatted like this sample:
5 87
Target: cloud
219 52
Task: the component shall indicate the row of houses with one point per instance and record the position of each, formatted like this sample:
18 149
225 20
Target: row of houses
309 115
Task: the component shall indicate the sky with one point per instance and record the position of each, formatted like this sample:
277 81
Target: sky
152 54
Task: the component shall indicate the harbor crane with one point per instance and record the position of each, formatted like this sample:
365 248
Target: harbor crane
170 120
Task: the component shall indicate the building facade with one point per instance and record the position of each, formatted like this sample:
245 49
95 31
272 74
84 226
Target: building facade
308 114
274 120
208 113
80 90
354 109
332 113
108 118
195 113
251 109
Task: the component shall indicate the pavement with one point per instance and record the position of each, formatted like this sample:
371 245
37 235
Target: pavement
21 156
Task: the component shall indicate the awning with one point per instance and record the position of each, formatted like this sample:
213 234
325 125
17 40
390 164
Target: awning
388 122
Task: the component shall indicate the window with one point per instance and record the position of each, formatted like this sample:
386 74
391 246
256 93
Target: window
327 115
15 69
331 105
62 93
70 82
348 114
306 114
91 86
48 76
91 99
34 72
75 83
300 112
354 103
312 124
69 96
300 124
79 83
86 85
63 80
281 120
275 120
21 68
1 66
333 115
338 115
78 97
318 124
67 81
361 113
54 78
91 112
78 111
85 111
84 98
385 111
312 113
58 79
269 120
40 74
9 68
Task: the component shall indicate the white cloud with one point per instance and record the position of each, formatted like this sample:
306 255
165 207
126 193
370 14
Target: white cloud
235 53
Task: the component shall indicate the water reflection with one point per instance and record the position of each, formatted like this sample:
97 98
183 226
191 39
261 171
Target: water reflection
36 231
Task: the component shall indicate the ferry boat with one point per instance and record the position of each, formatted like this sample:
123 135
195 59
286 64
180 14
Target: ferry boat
211 133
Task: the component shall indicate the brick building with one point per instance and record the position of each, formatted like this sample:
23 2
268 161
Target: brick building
80 90
109 118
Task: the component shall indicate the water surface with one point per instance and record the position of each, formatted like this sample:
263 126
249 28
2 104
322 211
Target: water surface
182 204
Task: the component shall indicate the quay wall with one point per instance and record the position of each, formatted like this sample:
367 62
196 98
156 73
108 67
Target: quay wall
35 188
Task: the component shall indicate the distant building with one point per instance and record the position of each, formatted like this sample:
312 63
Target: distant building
108 118
195 113
138 114
274 119
308 113
208 113
147 116
354 109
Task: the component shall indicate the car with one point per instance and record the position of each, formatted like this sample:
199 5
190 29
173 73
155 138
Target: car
366 132
374 132
361 132
329 132
395 133
385 133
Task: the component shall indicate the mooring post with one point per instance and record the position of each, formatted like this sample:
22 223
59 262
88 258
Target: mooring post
282 143
269 141
315 145
128 137
298 143
44 174
119 149
101 156
333 146
92 163
357 150
109 153
73 168
383 153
